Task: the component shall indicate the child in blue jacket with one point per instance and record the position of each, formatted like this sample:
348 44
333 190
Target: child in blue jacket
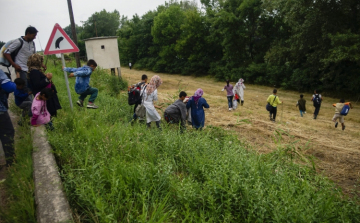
22 99
82 86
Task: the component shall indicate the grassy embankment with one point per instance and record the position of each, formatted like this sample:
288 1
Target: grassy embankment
18 189
115 172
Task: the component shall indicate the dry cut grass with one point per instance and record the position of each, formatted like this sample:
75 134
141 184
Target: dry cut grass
337 151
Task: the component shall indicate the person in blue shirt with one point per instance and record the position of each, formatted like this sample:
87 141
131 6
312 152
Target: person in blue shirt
197 105
6 127
82 86
22 99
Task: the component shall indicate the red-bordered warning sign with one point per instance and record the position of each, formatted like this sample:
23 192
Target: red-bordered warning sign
60 42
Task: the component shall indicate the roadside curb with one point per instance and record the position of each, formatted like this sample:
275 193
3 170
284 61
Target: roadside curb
51 202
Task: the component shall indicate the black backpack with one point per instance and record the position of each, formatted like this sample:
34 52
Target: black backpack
317 100
134 95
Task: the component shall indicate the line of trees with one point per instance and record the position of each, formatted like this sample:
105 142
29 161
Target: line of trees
293 44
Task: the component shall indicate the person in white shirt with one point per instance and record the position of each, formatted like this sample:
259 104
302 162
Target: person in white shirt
149 96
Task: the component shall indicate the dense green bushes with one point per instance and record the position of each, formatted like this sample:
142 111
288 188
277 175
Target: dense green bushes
115 172
301 45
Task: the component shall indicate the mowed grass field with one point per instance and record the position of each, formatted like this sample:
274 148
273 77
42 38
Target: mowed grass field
337 152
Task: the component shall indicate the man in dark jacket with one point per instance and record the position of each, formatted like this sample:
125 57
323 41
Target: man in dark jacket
176 112
6 128
302 105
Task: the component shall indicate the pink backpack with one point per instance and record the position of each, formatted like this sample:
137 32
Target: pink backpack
39 108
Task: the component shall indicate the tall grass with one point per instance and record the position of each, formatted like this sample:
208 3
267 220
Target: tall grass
19 184
115 172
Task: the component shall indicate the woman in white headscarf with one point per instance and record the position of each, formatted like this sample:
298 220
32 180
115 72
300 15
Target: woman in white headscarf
239 90
149 96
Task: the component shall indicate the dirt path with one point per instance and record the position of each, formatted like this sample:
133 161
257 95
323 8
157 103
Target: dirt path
337 151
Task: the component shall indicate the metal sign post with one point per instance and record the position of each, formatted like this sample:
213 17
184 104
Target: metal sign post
60 42
66 81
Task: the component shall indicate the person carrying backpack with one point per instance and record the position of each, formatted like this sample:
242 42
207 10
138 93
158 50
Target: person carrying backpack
19 51
134 94
341 109
273 100
316 99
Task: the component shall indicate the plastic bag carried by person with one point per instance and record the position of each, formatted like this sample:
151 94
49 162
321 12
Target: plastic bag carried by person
235 104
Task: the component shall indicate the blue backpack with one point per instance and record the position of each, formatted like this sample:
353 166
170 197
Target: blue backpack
345 110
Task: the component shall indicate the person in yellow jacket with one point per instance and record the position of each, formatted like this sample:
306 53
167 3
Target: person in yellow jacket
273 100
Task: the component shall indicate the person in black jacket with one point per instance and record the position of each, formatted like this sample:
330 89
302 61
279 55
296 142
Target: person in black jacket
38 81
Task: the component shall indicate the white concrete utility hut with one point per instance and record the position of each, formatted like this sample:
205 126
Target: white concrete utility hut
105 51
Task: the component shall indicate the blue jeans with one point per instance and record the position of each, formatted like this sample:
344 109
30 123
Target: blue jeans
301 113
230 101
93 92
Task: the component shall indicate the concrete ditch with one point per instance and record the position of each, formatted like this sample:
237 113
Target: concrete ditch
51 202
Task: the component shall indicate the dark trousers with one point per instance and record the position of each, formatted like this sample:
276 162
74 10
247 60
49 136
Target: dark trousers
93 92
7 133
135 116
317 109
230 101
273 112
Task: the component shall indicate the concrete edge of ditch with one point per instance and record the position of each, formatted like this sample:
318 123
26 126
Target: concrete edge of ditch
51 202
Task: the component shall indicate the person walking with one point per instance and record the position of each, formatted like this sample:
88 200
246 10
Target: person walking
239 90
230 94
139 86
130 65
149 96
316 99
302 105
273 100
338 110
197 104
7 131
25 46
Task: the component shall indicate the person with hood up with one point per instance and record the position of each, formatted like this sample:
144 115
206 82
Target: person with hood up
239 90
149 96
197 104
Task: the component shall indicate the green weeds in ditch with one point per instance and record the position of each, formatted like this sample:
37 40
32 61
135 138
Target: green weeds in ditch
19 184
115 172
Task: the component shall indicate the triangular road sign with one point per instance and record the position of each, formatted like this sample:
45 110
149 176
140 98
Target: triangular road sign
60 42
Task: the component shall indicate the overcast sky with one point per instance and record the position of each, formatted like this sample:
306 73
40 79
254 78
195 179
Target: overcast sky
16 15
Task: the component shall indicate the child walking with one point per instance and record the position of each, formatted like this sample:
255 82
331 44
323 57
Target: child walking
273 100
82 86
40 114
230 95
302 105
338 108
22 99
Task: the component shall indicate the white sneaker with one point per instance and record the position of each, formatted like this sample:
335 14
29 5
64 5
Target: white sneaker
230 109
80 103
91 105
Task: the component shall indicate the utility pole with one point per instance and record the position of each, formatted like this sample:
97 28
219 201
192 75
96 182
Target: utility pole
95 27
73 30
